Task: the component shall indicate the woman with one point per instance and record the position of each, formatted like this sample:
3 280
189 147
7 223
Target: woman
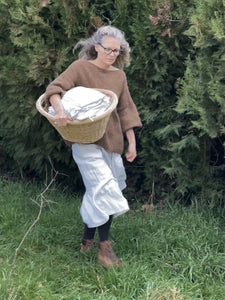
100 163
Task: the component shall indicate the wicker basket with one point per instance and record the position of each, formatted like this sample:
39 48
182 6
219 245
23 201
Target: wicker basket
85 131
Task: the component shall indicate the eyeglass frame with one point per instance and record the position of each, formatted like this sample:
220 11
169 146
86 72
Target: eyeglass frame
115 51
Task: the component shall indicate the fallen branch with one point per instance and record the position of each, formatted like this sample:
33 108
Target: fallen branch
10 288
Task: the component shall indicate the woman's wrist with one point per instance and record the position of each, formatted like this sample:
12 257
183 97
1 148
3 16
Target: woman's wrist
131 137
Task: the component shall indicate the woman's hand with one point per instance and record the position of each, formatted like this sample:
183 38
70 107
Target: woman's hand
131 151
61 118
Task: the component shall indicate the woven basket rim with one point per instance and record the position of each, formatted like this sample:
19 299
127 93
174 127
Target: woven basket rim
112 95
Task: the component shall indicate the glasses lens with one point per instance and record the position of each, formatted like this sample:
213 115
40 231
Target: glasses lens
108 50
116 51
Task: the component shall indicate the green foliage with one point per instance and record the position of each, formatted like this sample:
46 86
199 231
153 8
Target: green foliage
176 78
201 95
158 61
38 52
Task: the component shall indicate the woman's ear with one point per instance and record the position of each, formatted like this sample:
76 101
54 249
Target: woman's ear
96 48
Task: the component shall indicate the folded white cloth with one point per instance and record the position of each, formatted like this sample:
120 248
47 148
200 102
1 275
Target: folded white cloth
81 103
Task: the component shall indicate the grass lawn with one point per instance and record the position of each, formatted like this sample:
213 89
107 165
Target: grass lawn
177 253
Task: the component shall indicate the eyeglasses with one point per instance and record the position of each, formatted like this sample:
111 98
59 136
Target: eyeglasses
109 50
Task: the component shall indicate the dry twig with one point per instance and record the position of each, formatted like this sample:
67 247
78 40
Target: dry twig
149 207
10 288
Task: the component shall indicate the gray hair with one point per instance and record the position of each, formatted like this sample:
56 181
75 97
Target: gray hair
88 51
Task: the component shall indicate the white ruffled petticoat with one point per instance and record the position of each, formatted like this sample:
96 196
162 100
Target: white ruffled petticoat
104 178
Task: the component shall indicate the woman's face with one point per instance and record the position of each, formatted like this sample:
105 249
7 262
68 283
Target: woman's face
108 51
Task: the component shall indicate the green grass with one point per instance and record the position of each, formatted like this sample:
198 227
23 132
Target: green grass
179 253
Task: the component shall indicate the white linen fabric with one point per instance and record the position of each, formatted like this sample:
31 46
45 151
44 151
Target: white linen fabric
104 178
81 103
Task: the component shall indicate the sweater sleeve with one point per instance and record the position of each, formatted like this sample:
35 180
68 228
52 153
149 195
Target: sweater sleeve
63 82
127 111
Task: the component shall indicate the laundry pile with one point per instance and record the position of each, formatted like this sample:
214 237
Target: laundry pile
82 103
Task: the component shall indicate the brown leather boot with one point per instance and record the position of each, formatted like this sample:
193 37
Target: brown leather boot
86 245
106 256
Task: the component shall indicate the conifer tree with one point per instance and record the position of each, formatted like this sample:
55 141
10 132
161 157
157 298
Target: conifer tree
176 79
39 38
159 52
201 103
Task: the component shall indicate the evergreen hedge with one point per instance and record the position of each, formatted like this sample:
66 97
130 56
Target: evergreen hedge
176 79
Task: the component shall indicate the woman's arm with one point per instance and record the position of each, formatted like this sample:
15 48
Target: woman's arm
131 151
61 117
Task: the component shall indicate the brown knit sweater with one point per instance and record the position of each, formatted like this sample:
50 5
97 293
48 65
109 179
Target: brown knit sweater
83 73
